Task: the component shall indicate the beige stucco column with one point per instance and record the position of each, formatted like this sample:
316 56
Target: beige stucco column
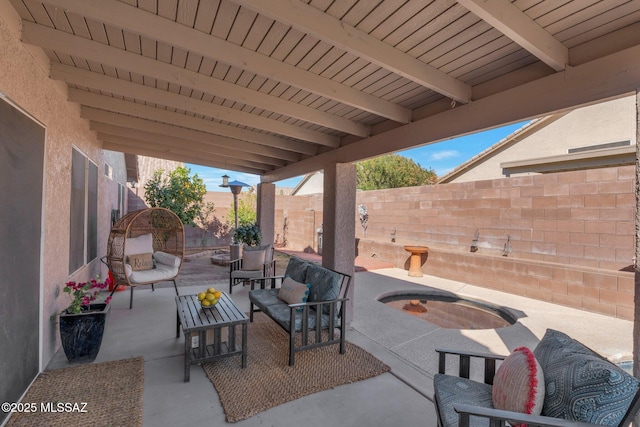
636 296
339 222
266 211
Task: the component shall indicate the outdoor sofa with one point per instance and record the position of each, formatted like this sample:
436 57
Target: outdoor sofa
308 301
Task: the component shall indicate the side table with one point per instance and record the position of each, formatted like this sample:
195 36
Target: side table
197 320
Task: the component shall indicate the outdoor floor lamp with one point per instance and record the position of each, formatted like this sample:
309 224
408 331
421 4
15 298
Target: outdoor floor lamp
236 189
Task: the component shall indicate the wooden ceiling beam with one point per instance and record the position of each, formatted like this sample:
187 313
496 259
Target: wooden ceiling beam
120 120
608 77
60 41
310 20
109 103
174 34
505 17
73 75
164 140
133 146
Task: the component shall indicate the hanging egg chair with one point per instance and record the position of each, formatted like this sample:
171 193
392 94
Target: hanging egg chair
145 247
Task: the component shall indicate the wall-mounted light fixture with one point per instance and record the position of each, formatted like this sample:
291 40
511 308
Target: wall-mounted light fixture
507 247
474 243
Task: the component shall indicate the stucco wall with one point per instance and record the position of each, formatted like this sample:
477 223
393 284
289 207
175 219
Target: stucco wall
146 167
24 80
610 121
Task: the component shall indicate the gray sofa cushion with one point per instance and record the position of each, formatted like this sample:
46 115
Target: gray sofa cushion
580 384
281 314
265 297
325 285
246 274
297 269
450 390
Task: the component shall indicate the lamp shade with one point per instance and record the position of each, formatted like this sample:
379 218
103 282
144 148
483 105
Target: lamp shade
236 186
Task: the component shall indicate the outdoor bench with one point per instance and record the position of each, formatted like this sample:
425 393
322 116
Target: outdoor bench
561 383
309 301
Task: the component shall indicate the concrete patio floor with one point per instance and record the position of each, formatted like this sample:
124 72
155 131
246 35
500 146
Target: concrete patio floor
404 342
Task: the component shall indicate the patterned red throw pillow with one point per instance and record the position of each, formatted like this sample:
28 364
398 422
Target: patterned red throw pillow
518 385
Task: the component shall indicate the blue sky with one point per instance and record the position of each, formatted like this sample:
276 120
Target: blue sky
441 157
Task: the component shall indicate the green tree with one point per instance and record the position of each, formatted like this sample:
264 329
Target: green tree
247 209
392 171
178 192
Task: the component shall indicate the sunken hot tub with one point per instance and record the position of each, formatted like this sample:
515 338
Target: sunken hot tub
450 311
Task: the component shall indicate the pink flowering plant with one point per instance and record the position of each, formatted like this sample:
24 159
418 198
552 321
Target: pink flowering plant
84 293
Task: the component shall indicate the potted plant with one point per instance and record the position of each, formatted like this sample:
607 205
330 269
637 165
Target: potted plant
250 235
82 322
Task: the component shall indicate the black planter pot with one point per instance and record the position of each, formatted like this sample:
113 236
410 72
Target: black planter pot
81 334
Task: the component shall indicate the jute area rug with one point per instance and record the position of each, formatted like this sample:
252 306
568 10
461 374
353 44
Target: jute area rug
109 393
269 381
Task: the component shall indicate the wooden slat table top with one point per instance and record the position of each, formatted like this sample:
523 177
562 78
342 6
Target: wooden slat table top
194 317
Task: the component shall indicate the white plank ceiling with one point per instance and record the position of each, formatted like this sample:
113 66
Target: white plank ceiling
282 87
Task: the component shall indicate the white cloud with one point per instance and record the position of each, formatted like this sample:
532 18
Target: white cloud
441 155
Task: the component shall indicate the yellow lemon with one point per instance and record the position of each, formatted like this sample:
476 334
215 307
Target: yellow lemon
205 303
211 290
217 294
214 302
210 297
201 296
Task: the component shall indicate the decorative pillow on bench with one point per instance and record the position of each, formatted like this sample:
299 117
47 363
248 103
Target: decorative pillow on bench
293 292
297 269
325 285
580 384
518 385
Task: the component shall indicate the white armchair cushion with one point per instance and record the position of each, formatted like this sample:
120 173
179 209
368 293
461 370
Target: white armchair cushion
167 259
253 260
246 274
158 274
167 267
268 251
139 245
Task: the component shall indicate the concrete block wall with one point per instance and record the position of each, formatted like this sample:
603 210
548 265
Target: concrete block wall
571 234
607 292
580 218
299 228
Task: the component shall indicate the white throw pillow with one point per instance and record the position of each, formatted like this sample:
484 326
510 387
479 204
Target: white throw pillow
293 292
253 260
138 245
167 259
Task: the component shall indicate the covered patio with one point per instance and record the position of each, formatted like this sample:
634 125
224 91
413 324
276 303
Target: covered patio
403 396
277 89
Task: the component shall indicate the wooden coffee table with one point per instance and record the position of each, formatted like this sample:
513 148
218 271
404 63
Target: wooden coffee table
203 330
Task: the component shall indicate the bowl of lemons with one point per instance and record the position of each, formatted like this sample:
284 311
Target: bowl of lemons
209 298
